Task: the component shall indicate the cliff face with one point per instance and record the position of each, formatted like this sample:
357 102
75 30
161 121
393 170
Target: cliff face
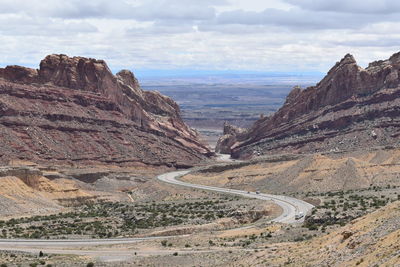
75 110
231 134
350 108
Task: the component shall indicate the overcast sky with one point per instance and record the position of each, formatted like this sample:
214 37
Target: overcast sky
262 35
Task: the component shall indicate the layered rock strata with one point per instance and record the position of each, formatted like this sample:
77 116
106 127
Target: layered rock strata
74 110
350 108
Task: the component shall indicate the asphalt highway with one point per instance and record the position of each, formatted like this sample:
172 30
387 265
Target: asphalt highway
290 206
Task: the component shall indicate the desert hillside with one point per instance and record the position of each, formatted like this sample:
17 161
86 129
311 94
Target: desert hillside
349 109
308 173
24 191
372 240
74 110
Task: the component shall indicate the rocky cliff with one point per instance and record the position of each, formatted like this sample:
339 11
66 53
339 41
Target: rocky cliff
231 134
350 108
74 110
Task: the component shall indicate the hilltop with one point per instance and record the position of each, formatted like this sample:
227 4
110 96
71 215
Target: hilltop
350 108
73 110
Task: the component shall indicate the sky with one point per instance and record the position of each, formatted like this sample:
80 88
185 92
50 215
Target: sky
216 35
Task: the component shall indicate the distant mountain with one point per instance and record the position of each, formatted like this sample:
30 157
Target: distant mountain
350 108
74 110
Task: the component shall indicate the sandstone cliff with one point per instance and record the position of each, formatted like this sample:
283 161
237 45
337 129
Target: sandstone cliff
230 136
25 191
74 110
350 108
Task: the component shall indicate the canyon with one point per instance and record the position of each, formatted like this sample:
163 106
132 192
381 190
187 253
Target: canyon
82 148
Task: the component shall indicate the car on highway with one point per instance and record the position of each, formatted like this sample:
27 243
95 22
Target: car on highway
299 215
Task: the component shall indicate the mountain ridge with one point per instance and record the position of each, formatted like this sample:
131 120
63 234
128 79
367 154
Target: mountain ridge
73 109
349 102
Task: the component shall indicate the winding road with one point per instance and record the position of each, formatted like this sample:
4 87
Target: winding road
290 206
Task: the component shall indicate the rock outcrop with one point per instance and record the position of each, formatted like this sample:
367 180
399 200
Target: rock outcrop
230 135
74 110
350 108
25 191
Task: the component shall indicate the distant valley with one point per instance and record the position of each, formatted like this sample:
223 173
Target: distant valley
207 101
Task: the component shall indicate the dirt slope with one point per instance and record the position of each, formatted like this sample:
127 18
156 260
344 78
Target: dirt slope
309 173
31 194
372 240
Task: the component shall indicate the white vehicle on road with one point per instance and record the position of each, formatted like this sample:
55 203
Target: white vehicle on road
299 215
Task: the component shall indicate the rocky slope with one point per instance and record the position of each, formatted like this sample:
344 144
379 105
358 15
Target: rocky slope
372 240
25 191
74 110
350 108
306 173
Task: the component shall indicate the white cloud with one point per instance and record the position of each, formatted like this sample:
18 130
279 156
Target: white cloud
302 19
17 25
209 34
350 6
117 9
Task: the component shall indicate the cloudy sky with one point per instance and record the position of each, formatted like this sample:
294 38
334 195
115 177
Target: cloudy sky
255 35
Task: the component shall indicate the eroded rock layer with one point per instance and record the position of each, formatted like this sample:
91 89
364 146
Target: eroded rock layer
350 108
74 110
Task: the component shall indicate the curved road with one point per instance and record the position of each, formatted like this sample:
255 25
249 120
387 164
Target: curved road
290 206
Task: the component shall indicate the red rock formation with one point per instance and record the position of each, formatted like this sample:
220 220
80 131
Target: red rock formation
350 108
230 137
75 110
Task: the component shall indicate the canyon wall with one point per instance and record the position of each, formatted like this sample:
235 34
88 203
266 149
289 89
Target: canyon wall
350 108
74 110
